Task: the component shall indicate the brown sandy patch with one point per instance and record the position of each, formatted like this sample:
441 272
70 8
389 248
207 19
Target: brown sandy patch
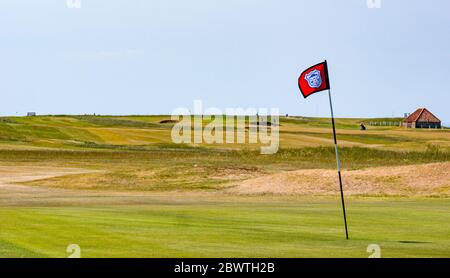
236 173
10 175
412 180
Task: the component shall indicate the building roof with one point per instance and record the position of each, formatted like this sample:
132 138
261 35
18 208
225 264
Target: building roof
422 115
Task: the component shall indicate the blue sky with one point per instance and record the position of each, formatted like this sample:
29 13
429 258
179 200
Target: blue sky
149 57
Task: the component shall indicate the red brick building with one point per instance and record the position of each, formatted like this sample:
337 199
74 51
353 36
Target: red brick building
422 118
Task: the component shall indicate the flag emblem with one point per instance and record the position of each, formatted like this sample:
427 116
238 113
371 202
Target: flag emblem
314 79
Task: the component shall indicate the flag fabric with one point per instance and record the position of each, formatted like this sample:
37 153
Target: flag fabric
314 79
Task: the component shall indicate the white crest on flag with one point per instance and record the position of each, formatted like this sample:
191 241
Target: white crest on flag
314 79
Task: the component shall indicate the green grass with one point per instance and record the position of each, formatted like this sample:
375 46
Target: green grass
230 227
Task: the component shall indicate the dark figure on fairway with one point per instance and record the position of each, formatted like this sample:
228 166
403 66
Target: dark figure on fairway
362 126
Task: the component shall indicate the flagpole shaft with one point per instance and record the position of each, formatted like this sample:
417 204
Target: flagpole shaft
338 164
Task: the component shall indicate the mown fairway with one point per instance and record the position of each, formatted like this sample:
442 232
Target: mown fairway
140 195
202 226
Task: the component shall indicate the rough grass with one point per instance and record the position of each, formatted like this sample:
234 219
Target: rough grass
199 169
117 122
359 138
152 163
75 132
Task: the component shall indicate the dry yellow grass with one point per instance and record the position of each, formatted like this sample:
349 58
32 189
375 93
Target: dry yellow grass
128 136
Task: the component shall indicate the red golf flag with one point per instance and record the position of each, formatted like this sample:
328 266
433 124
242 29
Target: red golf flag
314 79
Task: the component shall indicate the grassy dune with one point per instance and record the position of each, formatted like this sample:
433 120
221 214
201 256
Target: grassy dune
192 169
91 132
135 153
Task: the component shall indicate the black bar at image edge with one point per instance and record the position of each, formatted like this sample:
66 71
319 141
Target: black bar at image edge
211 267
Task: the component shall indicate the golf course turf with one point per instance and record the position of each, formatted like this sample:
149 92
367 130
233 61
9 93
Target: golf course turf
209 226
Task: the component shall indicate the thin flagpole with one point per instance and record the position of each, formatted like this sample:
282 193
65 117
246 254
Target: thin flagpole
338 164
